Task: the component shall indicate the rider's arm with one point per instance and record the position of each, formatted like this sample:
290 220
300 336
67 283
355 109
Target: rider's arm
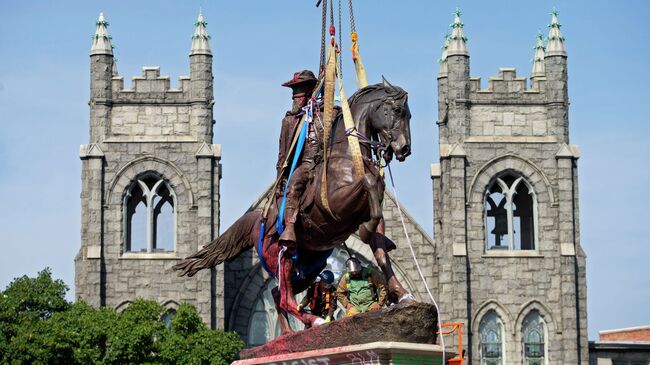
282 144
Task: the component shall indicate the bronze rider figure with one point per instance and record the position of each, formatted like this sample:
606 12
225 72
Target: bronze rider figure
302 85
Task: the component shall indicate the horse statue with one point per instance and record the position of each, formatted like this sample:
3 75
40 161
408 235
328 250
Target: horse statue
383 117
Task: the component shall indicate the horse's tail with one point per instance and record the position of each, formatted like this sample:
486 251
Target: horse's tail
235 240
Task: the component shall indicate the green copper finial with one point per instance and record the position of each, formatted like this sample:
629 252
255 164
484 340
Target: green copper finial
200 38
555 12
457 12
555 44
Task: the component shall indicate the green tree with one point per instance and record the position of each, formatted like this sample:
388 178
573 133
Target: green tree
37 326
133 339
25 303
189 341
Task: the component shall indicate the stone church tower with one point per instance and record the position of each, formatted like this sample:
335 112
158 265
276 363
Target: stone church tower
506 223
150 183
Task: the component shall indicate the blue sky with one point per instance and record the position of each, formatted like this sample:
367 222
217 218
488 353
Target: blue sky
44 83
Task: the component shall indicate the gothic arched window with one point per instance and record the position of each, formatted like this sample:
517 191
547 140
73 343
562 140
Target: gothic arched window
533 333
168 316
149 215
510 214
491 345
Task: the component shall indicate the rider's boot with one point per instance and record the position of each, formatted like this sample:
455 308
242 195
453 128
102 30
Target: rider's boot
288 236
296 188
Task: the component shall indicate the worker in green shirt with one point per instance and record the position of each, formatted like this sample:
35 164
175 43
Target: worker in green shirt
361 289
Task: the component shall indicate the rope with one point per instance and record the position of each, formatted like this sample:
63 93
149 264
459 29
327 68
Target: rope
279 268
408 239
362 138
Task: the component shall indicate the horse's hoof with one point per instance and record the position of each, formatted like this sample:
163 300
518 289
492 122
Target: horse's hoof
407 298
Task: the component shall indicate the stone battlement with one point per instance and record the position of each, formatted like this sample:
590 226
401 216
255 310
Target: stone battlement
508 86
151 86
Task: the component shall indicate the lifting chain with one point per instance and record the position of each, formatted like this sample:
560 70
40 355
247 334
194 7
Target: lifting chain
340 41
332 13
353 28
321 68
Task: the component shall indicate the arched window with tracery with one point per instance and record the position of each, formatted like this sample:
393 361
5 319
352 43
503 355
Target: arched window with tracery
533 333
491 339
510 214
149 215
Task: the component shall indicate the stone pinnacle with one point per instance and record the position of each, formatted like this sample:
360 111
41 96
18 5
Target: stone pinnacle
200 39
457 41
101 39
443 58
539 69
555 45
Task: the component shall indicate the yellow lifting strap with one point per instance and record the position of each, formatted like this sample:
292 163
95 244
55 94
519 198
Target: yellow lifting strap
360 74
328 114
332 71
353 142
359 70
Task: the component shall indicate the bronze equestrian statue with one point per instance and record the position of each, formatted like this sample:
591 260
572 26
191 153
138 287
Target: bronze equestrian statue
383 116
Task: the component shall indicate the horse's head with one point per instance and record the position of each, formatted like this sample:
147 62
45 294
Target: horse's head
387 114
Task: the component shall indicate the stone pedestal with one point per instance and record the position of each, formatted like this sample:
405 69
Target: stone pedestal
375 353
405 323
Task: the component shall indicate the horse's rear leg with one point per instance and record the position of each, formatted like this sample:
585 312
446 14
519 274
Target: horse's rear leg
372 233
285 328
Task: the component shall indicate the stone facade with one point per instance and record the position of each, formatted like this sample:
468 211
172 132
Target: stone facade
149 130
522 131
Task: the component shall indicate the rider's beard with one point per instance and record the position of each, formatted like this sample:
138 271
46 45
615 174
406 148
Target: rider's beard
299 101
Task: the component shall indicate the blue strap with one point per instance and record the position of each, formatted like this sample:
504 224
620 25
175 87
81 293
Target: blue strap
296 156
260 244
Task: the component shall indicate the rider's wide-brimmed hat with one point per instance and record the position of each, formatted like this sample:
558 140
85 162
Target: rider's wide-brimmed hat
303 77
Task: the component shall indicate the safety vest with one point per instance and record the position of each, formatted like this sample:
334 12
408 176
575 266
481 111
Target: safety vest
314 299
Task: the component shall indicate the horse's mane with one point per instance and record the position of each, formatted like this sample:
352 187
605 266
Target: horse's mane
395 92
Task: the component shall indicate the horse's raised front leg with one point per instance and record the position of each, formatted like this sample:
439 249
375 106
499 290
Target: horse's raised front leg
287 302
372 233
366 229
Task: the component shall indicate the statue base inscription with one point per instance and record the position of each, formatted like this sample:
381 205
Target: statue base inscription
414 323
